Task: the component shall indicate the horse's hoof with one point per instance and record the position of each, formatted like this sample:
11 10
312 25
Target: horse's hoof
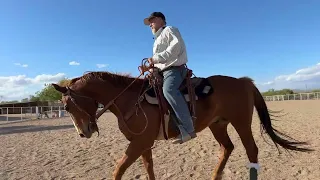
253 174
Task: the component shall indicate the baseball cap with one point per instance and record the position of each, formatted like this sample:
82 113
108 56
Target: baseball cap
152 15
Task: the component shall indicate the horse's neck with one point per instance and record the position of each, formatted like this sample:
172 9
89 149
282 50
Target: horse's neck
124 103
104 93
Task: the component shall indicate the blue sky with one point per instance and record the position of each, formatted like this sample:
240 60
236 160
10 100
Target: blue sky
275 43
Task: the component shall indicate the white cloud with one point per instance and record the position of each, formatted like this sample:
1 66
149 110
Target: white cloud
268 83
21 86
308 77
102 65
21 65
74 63
47 78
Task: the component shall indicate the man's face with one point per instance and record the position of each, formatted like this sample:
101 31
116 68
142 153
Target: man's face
155 24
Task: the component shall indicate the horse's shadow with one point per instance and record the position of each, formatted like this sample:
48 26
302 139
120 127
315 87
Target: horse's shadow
30 128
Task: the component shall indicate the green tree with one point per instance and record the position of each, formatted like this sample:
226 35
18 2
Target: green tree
316 90
64 82
272 92
49 93
9 102
33 98
25 100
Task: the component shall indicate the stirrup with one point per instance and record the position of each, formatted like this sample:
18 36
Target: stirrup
180 139
184 136
188 137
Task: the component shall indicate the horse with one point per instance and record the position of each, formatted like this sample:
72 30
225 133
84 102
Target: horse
229 100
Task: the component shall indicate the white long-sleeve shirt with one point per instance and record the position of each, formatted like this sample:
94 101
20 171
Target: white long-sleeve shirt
169 48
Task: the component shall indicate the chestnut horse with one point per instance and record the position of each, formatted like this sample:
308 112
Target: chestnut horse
232 100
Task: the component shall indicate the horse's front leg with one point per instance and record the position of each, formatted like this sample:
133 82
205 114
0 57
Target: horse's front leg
148 163
133 152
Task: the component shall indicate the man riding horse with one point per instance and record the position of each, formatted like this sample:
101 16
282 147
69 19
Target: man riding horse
170 58
232 102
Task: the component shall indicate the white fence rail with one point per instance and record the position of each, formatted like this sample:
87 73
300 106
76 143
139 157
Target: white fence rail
34 112
299 96
39 112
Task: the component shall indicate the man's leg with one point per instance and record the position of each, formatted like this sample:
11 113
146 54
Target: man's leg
172 81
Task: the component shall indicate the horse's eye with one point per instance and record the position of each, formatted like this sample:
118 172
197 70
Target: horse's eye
66 108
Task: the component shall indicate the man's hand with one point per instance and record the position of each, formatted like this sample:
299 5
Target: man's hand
150 73
151 70
150 61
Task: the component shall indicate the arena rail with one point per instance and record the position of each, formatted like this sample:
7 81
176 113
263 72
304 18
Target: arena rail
297 96
32 112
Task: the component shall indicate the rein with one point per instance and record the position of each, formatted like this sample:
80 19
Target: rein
106 107
143 68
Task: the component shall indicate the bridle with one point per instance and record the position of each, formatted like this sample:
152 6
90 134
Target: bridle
70 93
94 118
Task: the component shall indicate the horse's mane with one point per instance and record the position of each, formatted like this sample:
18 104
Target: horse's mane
116 79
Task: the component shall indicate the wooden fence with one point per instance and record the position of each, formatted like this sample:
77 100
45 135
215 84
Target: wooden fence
298 96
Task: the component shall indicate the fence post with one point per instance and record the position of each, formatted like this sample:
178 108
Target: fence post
7 114
59 112
37 112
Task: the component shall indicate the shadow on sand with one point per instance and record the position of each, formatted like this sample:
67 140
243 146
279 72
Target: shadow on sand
14 121
31 128
13 118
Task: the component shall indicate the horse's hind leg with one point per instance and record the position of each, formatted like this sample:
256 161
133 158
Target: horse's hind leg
251 148
226 147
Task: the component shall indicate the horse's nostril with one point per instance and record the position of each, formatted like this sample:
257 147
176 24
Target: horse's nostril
81 135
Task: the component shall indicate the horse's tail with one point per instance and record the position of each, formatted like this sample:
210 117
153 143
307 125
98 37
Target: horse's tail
265 119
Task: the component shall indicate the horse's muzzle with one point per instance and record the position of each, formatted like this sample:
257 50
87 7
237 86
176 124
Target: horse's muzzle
93 127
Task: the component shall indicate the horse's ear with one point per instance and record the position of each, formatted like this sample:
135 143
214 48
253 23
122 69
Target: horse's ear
59 88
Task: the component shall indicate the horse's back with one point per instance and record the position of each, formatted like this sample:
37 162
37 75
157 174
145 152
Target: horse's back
229 84
232 93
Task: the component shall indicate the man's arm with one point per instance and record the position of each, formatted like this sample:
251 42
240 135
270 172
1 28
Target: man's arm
172 51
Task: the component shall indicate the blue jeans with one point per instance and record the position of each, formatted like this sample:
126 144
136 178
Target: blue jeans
173 78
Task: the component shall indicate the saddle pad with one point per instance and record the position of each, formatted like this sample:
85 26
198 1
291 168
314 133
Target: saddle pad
154 100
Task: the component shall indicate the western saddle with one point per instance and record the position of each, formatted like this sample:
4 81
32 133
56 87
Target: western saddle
156 82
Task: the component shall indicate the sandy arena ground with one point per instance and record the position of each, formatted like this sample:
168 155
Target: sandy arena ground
51 149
